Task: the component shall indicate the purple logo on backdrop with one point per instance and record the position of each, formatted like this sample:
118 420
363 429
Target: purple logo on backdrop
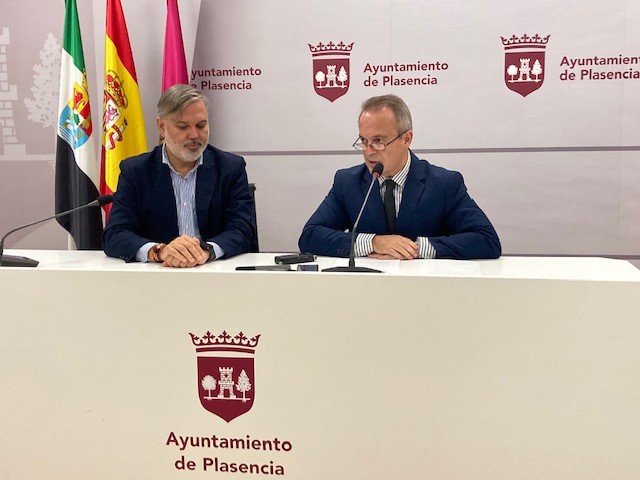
524 62
226 379
331 69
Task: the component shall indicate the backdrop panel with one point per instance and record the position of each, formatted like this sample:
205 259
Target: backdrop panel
556 169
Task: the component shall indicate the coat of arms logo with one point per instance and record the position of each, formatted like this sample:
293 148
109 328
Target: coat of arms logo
524 62
115 100
74 123
226 378
331 74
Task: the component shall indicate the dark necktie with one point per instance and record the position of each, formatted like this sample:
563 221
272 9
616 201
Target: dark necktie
390 204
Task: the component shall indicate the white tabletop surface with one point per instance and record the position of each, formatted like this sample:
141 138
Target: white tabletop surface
558 268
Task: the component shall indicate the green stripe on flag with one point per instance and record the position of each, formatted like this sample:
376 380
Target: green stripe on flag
71 41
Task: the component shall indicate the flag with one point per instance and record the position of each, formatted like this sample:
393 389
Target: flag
174 64
77 169
123 133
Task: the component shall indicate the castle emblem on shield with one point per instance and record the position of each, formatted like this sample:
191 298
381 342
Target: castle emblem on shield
524 65
331 74
226 378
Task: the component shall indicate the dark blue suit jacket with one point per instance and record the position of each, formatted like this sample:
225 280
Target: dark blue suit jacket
435 204
144 207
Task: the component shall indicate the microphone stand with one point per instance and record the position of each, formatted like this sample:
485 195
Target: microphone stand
377 170
18 261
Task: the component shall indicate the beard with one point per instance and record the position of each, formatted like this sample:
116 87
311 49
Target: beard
184 152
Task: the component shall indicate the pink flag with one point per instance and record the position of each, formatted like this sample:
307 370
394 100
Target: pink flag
174 64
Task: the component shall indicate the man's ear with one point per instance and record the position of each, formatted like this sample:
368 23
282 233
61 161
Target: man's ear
160 124
407 138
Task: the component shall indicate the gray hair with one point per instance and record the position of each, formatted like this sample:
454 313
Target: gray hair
397 106
178 97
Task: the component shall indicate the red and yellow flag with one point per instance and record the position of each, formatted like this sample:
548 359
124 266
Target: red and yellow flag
123 133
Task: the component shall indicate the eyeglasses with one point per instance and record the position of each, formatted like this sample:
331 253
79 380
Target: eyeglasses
377 145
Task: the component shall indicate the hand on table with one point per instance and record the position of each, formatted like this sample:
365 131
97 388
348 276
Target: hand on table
386 247
183 252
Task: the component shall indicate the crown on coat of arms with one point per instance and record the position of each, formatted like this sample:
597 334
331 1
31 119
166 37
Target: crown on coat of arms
225 341
525 40
113 87
331 47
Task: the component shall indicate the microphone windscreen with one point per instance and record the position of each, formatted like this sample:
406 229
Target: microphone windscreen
104 200
377 169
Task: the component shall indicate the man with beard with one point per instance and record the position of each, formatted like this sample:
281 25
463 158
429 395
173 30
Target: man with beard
186 202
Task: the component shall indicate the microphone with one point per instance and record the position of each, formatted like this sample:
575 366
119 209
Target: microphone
17 261
376 172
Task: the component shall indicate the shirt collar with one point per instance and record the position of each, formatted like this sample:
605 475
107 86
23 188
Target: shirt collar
401 177
165 159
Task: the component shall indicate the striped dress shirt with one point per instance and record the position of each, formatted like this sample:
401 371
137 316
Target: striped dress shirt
364 241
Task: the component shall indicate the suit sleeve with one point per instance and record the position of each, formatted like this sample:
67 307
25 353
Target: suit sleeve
120 238
472 234
325 232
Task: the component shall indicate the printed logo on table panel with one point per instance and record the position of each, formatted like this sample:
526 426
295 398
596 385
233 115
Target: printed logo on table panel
74 123
331 75
226 377
115 100
524 65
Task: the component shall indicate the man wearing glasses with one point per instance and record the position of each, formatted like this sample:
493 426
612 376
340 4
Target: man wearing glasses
416 210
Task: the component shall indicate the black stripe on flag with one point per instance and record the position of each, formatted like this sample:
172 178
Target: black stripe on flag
73 189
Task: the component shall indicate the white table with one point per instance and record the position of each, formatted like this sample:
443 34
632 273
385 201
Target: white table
513 368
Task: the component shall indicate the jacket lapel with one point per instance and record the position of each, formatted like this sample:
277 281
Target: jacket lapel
374 210
414 188
161 181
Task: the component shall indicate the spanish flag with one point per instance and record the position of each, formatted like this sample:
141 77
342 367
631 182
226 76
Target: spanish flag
77 167
123 133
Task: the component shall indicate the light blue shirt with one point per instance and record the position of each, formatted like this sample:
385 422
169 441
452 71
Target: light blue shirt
184 191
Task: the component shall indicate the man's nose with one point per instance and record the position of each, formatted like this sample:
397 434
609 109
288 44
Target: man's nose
367 147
